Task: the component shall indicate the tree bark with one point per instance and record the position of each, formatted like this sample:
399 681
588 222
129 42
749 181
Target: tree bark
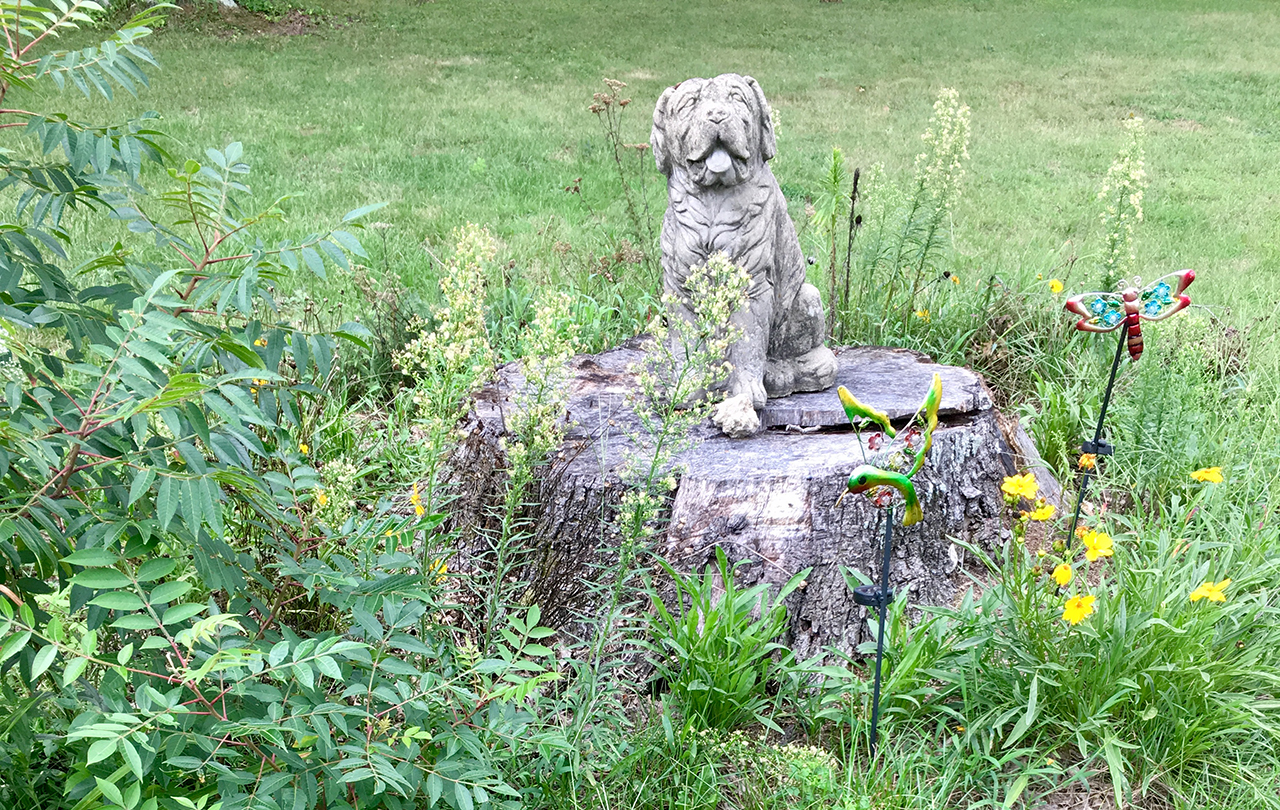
768 500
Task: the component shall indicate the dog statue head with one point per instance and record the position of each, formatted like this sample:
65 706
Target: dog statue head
717 131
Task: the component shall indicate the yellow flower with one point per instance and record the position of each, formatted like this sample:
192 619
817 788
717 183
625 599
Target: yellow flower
1024 486
1077 609
1087 461
955 279
1050 761
390 533
1062 574
321 498
1055 286
1211 474
1042 512
303 448
260 342
1213 591
439 568
923 314
1097 544
960 729
416 500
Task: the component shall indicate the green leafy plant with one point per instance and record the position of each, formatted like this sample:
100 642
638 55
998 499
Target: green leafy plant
165 540
633 172
903 257
1115 655
714 645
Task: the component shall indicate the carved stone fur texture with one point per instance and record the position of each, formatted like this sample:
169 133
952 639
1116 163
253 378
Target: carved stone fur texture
713 139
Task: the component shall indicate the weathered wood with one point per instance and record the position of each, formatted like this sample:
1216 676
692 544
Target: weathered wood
768 500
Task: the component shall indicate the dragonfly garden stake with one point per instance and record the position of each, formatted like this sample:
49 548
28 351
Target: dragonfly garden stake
1124 310
897 464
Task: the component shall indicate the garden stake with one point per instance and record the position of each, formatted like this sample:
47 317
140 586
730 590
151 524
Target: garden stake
883 597
878 483
1103 312
1097 447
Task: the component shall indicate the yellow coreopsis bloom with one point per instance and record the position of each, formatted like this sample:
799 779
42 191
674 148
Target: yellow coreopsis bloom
1042 512
1213 591
1077 609
1213 475
1097 544
1055 286
1062 575
1023 486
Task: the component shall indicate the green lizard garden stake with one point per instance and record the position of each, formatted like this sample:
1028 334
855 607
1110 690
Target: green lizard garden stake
879 483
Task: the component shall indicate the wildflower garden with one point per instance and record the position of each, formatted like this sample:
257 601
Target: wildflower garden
256 265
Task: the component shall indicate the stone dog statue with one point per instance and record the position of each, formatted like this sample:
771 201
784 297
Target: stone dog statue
712 138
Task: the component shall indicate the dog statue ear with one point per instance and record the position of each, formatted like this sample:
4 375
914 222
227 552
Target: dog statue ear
768 142
658 137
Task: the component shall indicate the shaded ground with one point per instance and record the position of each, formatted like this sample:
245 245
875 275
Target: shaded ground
232 23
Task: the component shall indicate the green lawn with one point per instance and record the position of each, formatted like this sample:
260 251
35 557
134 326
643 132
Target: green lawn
476 110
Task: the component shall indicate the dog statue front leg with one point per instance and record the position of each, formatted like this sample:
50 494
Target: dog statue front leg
747 354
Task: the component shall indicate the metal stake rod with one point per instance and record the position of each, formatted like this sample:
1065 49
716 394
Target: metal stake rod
886 597
1098 447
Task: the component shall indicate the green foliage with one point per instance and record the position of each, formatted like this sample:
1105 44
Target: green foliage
191 699
328 638
161 514
1152 686
905 250
707 768
715 645
1056 422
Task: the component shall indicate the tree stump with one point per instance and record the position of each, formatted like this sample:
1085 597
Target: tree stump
768 500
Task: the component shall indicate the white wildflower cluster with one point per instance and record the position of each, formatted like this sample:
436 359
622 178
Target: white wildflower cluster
451 361
638 513
678 380
940 167
538 423
1122 192
691 358
686 364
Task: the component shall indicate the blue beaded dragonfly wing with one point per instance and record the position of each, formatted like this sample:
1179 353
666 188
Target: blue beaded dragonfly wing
1102 311
1165 296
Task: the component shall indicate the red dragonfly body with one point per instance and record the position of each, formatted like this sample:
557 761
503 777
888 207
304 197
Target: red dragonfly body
1104 312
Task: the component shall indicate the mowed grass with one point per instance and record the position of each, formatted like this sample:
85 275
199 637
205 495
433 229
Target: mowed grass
475 110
